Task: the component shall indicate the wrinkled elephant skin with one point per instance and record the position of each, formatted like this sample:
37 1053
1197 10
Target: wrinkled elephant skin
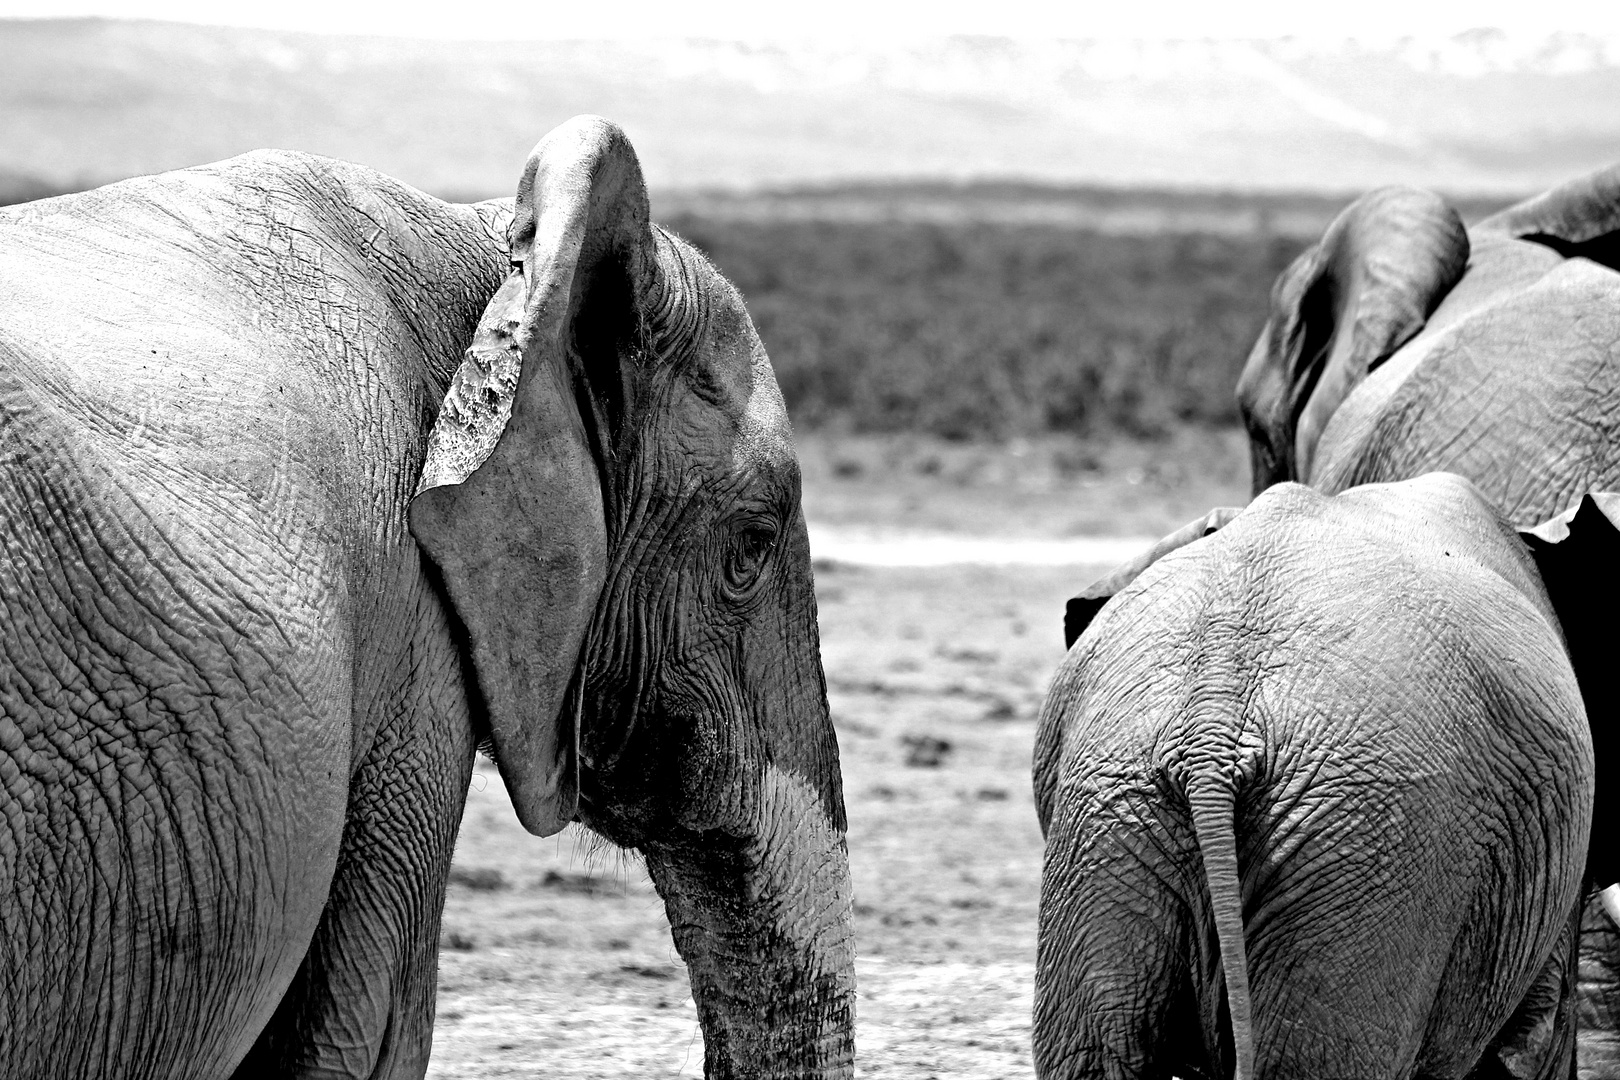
310 484
1316 788
1403 344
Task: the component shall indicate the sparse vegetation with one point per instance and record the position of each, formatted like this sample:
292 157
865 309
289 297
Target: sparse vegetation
976 330
986 331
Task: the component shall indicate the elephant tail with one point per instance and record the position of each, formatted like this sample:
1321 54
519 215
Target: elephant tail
1213 806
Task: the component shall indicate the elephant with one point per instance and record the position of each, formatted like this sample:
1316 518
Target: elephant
1403 343
313 484
1316 785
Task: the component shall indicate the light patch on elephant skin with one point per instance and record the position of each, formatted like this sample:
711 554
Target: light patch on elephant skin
800 873
764 436
478 404
793 927
738 377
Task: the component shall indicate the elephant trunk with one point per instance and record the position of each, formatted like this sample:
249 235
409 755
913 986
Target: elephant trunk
764 924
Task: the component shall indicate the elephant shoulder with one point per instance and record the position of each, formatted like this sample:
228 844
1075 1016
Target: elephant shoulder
1498 268
384 226
343 194
1513 390
1580 217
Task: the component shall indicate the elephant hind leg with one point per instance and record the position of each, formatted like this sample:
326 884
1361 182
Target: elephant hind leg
1114 992
1538 1041
1599 1008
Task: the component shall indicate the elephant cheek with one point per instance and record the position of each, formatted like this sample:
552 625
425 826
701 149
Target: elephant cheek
764 923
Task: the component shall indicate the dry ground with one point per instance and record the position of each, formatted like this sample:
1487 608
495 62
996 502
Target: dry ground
556 955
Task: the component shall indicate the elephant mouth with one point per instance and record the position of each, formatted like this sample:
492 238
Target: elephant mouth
646 779
637 805
598 813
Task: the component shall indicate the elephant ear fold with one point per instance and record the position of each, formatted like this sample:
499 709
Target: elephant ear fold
510 506
1578 555
1339 311
1581 218
1083 608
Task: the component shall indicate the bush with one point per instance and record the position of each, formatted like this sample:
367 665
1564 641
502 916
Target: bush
989 331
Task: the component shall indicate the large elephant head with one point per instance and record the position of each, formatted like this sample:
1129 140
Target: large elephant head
1338 311
611 499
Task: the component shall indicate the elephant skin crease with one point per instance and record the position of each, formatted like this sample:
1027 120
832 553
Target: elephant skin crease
1377 683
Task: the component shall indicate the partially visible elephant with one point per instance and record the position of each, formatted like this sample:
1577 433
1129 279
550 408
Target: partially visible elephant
278 557
1403 343
1316 782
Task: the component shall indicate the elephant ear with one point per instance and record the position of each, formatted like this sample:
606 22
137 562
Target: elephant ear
1581 218
1578 555
1342 308
1083 608
510 506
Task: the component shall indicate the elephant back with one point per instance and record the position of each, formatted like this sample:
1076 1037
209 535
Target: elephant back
1514 389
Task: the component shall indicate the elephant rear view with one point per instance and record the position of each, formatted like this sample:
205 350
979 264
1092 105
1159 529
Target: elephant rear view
1403 343
1316 787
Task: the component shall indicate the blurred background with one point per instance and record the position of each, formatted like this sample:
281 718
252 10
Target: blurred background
1007 260
969 237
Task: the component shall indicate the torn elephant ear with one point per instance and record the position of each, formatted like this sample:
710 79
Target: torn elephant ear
1578 555
510 506
1079 612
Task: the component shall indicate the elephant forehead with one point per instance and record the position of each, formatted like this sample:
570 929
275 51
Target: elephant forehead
736 376
764 437
725 363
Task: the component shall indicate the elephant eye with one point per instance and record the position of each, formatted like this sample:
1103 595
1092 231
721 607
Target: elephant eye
748 550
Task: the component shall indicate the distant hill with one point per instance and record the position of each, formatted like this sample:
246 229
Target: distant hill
85 101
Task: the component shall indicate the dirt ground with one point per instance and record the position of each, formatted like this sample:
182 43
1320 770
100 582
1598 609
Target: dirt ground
556 955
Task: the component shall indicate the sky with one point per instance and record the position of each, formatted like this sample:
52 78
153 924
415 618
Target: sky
485 19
